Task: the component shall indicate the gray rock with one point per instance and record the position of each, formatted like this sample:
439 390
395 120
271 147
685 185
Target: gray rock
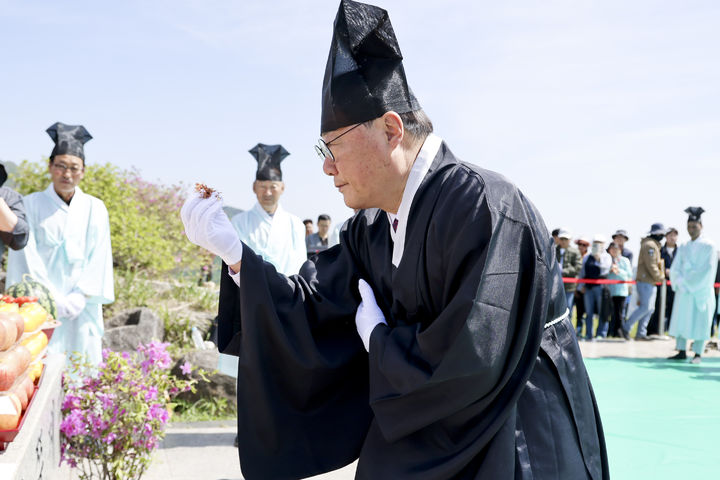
219 386
125 331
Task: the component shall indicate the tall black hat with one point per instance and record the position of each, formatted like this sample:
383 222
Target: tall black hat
69 139
364 75
268 159
694 214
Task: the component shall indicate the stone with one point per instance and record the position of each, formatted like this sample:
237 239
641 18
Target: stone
125 331
219 386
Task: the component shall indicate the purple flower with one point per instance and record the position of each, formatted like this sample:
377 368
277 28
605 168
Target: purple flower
106 399
186 368
71 402
158 412
151 394
73 424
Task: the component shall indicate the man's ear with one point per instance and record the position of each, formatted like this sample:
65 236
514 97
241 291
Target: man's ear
394 129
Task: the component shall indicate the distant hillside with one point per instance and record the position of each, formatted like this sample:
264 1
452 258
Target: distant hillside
231 211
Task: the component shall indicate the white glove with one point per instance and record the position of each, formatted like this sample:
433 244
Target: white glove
207 226
71 305
368 314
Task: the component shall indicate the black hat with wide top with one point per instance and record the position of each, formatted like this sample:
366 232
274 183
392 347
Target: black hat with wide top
364 75
69 139
268 159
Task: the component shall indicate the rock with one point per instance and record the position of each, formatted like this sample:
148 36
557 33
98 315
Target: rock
125 331
202 320
219 386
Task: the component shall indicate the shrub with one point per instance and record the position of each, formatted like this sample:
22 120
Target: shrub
114 416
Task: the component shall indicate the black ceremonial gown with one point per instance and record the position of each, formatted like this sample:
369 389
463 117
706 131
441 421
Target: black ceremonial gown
468 379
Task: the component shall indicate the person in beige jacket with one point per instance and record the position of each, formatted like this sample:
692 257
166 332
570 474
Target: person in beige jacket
650 271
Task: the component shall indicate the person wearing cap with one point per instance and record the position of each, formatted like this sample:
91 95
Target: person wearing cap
570 263
583 243
650 272
14 230
620 270
620 237
555 237
596 266
68 249
692 274
667 252
428 340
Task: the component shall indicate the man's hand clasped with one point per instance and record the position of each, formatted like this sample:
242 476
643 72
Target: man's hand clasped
368 314
207 226
71 305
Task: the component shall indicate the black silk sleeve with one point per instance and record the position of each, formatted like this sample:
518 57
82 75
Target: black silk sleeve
302 377
476 347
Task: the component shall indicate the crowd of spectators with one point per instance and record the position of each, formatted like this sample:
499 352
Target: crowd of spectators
600 281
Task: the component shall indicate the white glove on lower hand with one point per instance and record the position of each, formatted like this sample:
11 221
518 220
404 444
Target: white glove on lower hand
368 315
71 305
207 226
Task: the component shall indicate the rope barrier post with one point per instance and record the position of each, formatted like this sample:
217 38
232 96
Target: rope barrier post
661 315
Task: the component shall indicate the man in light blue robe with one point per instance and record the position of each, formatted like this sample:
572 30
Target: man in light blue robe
272 232
68 249
692 275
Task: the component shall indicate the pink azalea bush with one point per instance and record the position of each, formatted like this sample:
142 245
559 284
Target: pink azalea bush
114 415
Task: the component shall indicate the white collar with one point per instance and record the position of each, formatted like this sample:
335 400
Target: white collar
265 215
50 191
417 173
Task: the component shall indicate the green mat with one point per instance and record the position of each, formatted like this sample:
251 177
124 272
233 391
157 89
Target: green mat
661 417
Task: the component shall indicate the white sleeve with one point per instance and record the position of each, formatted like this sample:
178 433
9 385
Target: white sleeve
234 276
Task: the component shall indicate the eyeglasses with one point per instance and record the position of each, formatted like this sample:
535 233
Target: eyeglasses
61 167
323 148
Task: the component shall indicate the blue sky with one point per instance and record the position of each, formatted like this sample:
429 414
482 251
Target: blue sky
605 113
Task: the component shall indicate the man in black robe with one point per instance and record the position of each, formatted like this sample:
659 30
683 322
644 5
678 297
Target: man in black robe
434 341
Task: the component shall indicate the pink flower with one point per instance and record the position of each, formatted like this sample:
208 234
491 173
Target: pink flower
151 394
73 424
186 368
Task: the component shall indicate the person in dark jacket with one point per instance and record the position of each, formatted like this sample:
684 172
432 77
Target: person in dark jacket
667 252
14 228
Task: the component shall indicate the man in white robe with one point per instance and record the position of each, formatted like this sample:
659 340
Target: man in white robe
273 233
68 249
692 275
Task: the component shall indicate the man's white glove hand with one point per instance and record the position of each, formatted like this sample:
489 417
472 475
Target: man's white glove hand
71 305
207 226
368 314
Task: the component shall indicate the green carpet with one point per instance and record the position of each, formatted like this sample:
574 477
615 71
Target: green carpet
661 418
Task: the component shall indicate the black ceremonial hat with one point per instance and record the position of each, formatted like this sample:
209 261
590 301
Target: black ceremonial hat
364 75
694 213
268 159
69 139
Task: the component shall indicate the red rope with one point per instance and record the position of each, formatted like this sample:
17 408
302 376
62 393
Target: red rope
605 281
